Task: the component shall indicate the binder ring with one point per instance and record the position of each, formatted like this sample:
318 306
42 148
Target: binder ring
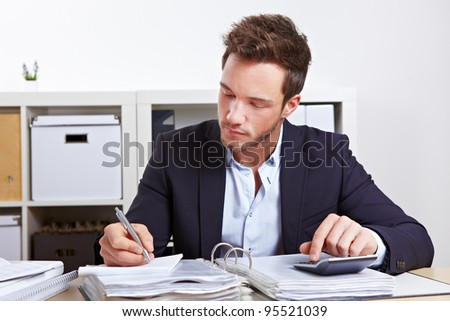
234 249
215 249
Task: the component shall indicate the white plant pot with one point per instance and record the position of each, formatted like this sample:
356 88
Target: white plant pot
31 85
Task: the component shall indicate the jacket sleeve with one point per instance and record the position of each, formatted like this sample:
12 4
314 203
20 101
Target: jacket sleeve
408 244
152 204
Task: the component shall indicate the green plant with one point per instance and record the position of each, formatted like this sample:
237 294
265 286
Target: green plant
27 75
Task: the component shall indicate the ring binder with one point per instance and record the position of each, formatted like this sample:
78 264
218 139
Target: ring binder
275 277
232 248
213 251
235 249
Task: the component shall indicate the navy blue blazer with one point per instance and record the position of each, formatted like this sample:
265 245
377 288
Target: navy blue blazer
182 194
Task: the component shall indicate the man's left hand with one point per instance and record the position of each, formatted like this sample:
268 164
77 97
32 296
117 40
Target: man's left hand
340 236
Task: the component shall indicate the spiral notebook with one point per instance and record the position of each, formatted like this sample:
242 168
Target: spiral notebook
33 280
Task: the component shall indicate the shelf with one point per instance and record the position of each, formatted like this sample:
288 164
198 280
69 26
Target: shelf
69 98
4 204
73 203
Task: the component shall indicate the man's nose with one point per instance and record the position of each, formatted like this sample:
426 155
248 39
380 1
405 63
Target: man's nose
236 113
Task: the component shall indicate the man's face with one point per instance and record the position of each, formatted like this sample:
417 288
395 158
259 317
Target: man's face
250 98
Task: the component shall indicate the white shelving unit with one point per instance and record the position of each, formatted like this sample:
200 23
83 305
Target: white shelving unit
35 214
135 111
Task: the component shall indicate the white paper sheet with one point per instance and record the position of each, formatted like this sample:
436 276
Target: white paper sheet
161 264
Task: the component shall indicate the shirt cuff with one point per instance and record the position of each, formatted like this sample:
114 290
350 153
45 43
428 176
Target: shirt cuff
381 251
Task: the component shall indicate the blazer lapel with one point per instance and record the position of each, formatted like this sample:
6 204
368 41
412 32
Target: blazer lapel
292 181
212 190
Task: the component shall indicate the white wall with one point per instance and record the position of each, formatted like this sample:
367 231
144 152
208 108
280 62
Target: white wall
395 52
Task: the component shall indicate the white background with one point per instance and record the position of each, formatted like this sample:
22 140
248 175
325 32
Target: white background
395 52
263 310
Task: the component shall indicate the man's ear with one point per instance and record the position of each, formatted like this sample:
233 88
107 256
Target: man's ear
291 106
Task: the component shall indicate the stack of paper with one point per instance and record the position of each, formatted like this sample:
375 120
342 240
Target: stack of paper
32 280
276 277
188 280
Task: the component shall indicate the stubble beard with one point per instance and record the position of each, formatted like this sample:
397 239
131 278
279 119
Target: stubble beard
263 141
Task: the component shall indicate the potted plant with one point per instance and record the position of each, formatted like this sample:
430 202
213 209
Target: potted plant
30 76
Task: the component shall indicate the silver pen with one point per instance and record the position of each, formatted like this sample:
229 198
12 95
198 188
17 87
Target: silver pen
126 224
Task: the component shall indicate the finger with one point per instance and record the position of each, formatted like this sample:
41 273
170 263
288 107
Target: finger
105 243
145 236
125 258
117 257
305 247
118 248
363 244
119 239
321 235
107 253
345 232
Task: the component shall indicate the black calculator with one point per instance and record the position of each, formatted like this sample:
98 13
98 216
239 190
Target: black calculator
337 265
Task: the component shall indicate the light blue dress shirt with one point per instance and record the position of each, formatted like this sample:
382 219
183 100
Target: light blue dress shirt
253 222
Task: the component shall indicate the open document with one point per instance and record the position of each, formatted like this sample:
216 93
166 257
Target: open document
276 277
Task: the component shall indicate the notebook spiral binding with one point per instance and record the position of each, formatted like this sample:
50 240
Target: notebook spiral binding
231 249
44 290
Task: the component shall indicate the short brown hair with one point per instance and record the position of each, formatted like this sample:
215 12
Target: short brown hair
271 38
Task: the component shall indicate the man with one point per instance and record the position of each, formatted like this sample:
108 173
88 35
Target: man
254 180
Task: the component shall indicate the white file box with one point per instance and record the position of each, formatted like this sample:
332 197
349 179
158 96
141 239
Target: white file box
10 237
298 117
71 158
318 116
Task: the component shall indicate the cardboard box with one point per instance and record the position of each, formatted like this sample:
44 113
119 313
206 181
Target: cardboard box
10 158
71 158
73 249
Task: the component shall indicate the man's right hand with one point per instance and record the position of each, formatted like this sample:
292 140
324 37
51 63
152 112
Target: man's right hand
119 249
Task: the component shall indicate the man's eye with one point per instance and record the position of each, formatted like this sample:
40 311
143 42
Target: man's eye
256 105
